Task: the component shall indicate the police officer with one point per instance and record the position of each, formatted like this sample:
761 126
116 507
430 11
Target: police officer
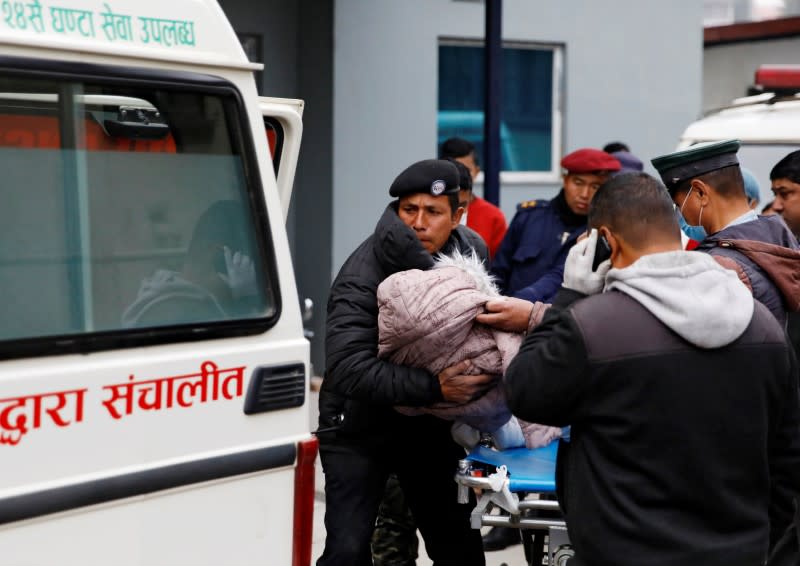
362 438
706 185
530 261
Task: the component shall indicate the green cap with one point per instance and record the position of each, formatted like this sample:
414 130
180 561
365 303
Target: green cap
687 164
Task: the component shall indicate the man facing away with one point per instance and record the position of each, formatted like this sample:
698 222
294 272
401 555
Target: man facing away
480 215
681 391
362 438
530 261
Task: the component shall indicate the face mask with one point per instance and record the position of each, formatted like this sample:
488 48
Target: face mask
696 233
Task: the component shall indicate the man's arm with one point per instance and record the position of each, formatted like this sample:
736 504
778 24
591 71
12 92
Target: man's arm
546 381
353 368
512 315
501 263
548 378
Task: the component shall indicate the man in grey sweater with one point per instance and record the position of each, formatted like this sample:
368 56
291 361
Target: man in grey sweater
681 391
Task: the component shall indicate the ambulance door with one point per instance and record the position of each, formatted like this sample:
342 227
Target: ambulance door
283 123
153 370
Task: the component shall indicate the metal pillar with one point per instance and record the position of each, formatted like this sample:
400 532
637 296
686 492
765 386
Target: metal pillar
493 101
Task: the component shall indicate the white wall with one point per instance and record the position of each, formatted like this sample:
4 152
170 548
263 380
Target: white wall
729 69
632 72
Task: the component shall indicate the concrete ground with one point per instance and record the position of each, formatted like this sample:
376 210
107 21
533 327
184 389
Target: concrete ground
512 556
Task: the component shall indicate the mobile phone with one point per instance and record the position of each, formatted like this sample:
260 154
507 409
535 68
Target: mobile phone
601 252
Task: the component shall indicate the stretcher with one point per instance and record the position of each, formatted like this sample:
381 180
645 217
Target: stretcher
499 478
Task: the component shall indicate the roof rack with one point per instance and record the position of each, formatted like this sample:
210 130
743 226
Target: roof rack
768 98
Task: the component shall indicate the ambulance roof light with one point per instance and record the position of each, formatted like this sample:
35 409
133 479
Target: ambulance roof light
778 77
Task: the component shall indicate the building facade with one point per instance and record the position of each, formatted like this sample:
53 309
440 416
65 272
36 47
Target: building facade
734 52
385 80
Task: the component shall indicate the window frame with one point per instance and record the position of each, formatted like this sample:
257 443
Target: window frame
557 131
237 115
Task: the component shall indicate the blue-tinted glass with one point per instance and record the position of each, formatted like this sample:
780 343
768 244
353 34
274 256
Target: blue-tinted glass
527 116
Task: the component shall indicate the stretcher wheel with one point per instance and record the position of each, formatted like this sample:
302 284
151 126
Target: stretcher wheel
562 555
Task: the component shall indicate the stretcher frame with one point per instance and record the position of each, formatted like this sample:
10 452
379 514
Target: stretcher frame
497 477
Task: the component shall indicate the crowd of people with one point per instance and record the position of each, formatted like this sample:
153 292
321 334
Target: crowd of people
671 357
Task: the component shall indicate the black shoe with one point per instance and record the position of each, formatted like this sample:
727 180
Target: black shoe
499 538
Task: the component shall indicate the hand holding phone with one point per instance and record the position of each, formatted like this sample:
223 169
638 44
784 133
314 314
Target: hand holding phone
602 252
579 275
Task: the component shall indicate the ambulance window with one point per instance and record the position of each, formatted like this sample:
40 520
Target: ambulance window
128 210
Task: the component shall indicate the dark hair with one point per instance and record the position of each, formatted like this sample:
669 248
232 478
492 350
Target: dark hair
453 148
464 176
615 146
637 207
726 182
768 206
452 198
787 168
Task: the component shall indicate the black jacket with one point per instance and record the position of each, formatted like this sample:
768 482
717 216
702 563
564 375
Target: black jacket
359 390
674 448
793 330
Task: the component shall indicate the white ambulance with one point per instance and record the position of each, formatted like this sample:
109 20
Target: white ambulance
767 123
153 369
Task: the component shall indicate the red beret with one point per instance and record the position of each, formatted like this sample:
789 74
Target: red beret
588 160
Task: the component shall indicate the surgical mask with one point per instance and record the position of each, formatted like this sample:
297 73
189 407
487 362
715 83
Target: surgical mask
696 233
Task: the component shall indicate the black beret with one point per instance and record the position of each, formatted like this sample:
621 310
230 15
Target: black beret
687 164
432 176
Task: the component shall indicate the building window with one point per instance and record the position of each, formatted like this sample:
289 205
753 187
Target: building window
530 128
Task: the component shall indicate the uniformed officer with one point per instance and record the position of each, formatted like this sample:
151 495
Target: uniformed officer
530 261
362 438
706 185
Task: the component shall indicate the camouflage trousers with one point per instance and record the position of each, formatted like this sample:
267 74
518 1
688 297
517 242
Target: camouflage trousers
394 541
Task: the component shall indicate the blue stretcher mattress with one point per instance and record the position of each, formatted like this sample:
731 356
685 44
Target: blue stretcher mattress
528 470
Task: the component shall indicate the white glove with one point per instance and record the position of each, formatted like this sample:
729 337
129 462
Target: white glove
578 274
241 276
